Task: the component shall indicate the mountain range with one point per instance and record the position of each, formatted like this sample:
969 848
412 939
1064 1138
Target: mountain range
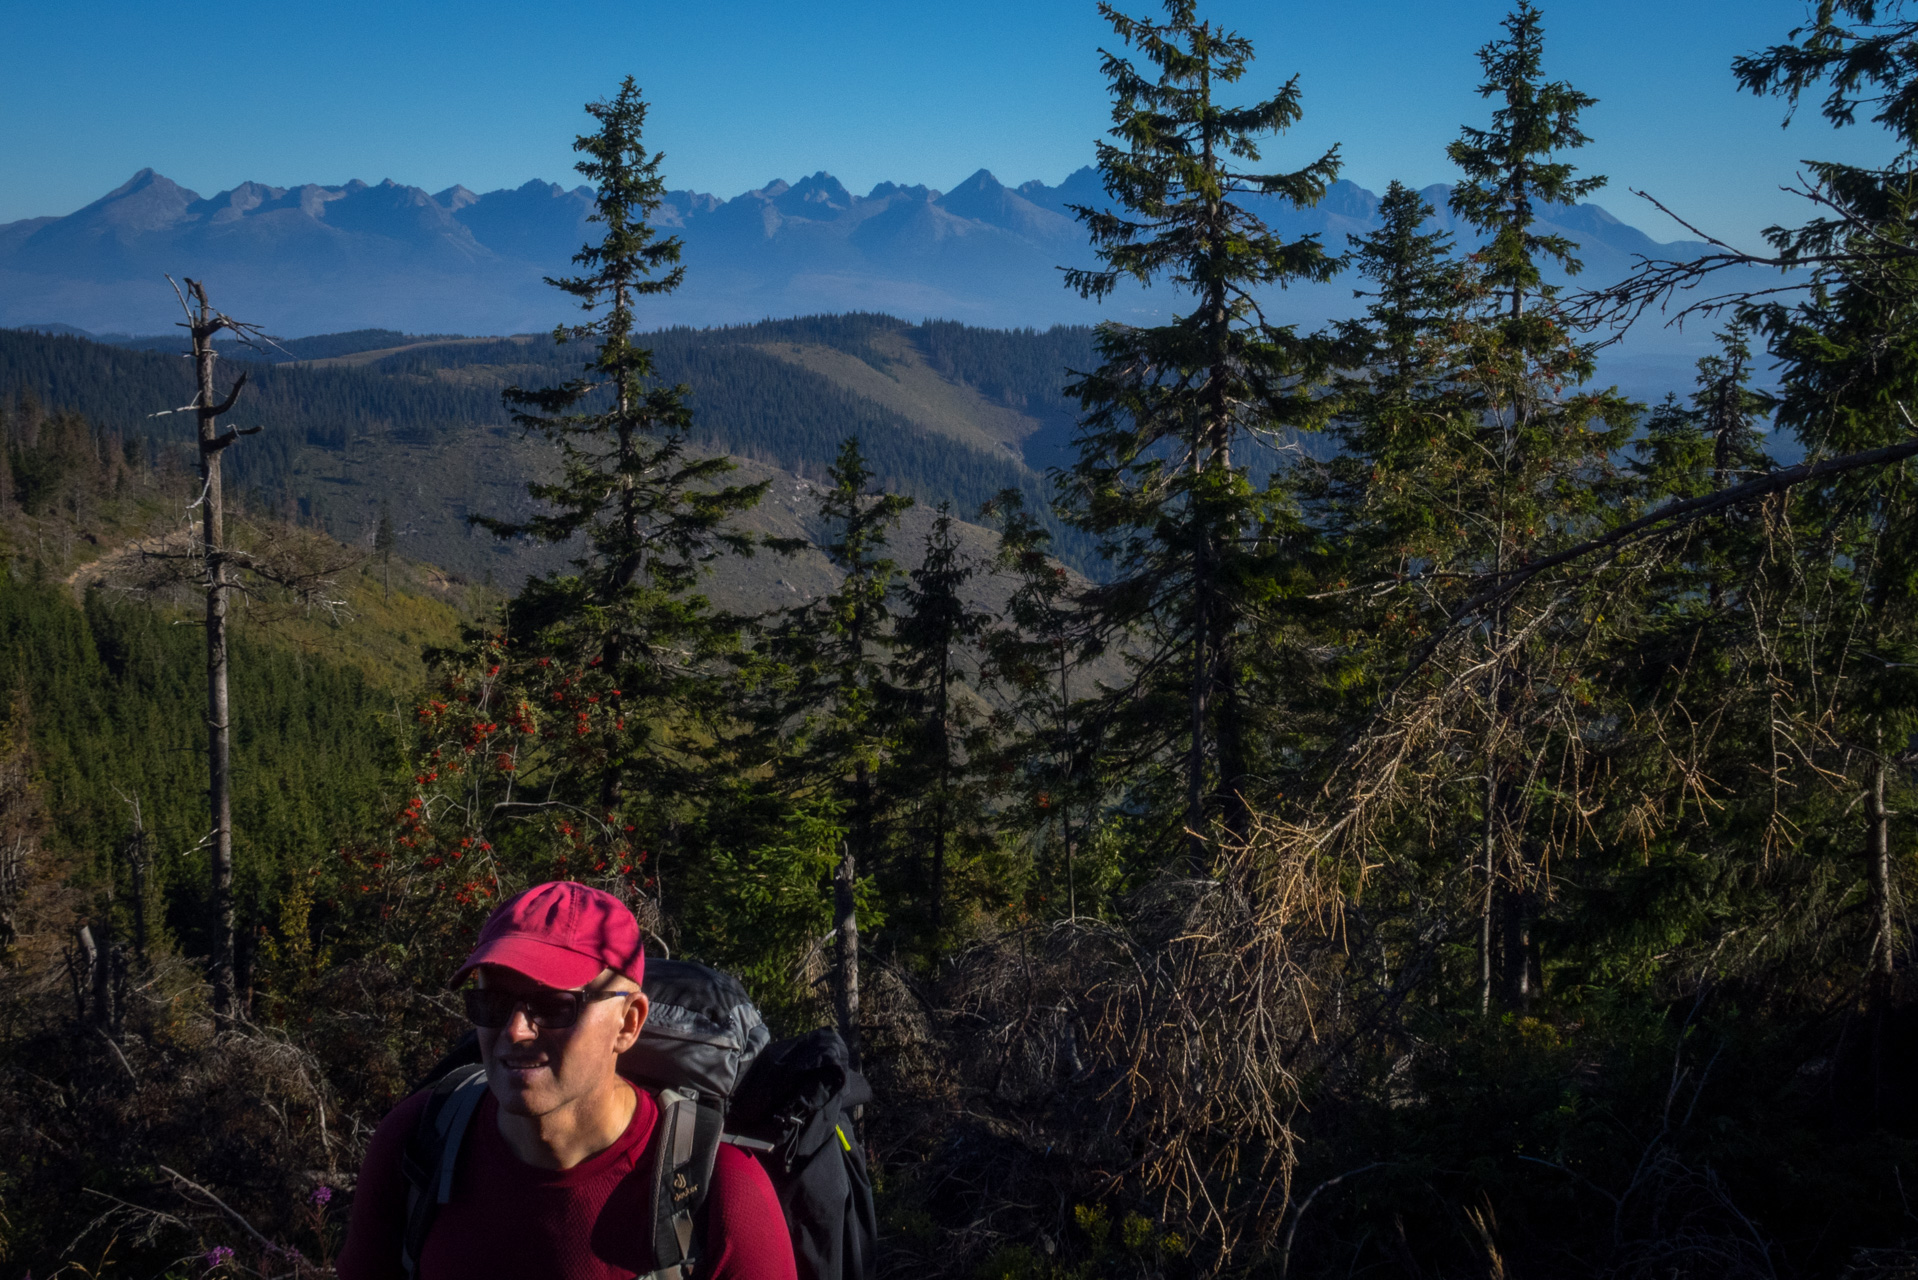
313 259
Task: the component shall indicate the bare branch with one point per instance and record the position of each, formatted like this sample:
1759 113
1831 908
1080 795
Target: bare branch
225 406
1285 1249
266 1244
1684 511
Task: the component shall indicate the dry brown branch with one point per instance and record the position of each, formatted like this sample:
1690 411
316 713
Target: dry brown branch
1219 997
1167 1041
1504 584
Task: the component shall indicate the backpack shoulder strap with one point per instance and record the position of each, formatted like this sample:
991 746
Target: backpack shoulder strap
432 1152
685 1146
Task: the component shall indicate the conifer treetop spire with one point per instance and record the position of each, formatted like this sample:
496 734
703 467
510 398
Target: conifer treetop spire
1165 163
651 511
1509 169
1191 537
631 256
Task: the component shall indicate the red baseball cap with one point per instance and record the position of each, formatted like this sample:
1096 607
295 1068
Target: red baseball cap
560 934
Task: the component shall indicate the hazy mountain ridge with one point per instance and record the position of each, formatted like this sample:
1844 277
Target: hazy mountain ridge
311 258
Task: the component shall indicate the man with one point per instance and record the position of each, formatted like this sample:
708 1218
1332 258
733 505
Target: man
554 1175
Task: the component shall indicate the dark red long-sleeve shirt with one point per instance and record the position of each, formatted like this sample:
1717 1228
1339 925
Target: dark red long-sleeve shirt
590 1222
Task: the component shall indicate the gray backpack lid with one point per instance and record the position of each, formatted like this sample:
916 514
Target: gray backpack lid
702 1032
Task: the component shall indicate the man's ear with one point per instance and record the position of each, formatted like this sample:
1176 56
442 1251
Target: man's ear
635 1018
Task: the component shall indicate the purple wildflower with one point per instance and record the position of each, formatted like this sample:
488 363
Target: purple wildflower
321 1196
218 1256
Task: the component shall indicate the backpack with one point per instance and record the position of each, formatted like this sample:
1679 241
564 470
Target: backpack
717 1077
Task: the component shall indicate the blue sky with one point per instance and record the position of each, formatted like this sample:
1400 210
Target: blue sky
488 94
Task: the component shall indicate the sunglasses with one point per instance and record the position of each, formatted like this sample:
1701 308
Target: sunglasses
490 1007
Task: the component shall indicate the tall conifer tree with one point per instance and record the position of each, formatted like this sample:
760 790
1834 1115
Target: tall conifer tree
1173 410
1533 471
1402 411
1511 169
933 641
1042 753
835 649
1850 382
649 511
1850 361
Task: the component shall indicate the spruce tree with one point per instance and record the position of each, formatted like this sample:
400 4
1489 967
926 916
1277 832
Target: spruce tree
1416 289
1406 424
1042 754
1511 169
1402 413
1729 408
1864 54
932 642
1850 364
1689 641
829 705
648 511
1706 443
1531 473
1173 411
1850 379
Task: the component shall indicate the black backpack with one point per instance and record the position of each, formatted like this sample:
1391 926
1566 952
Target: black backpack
707 1055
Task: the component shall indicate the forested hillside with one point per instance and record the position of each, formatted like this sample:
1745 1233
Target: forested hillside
413 425
1480 844
104 672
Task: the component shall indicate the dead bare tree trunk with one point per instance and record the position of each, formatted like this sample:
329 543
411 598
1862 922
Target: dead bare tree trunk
1878 868
93 979
218 710
134 850
19 818
203 322
1488 849
846 951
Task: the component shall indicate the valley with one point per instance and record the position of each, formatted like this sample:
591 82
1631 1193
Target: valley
414 429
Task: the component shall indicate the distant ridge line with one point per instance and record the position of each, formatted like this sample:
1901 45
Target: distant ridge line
311 258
